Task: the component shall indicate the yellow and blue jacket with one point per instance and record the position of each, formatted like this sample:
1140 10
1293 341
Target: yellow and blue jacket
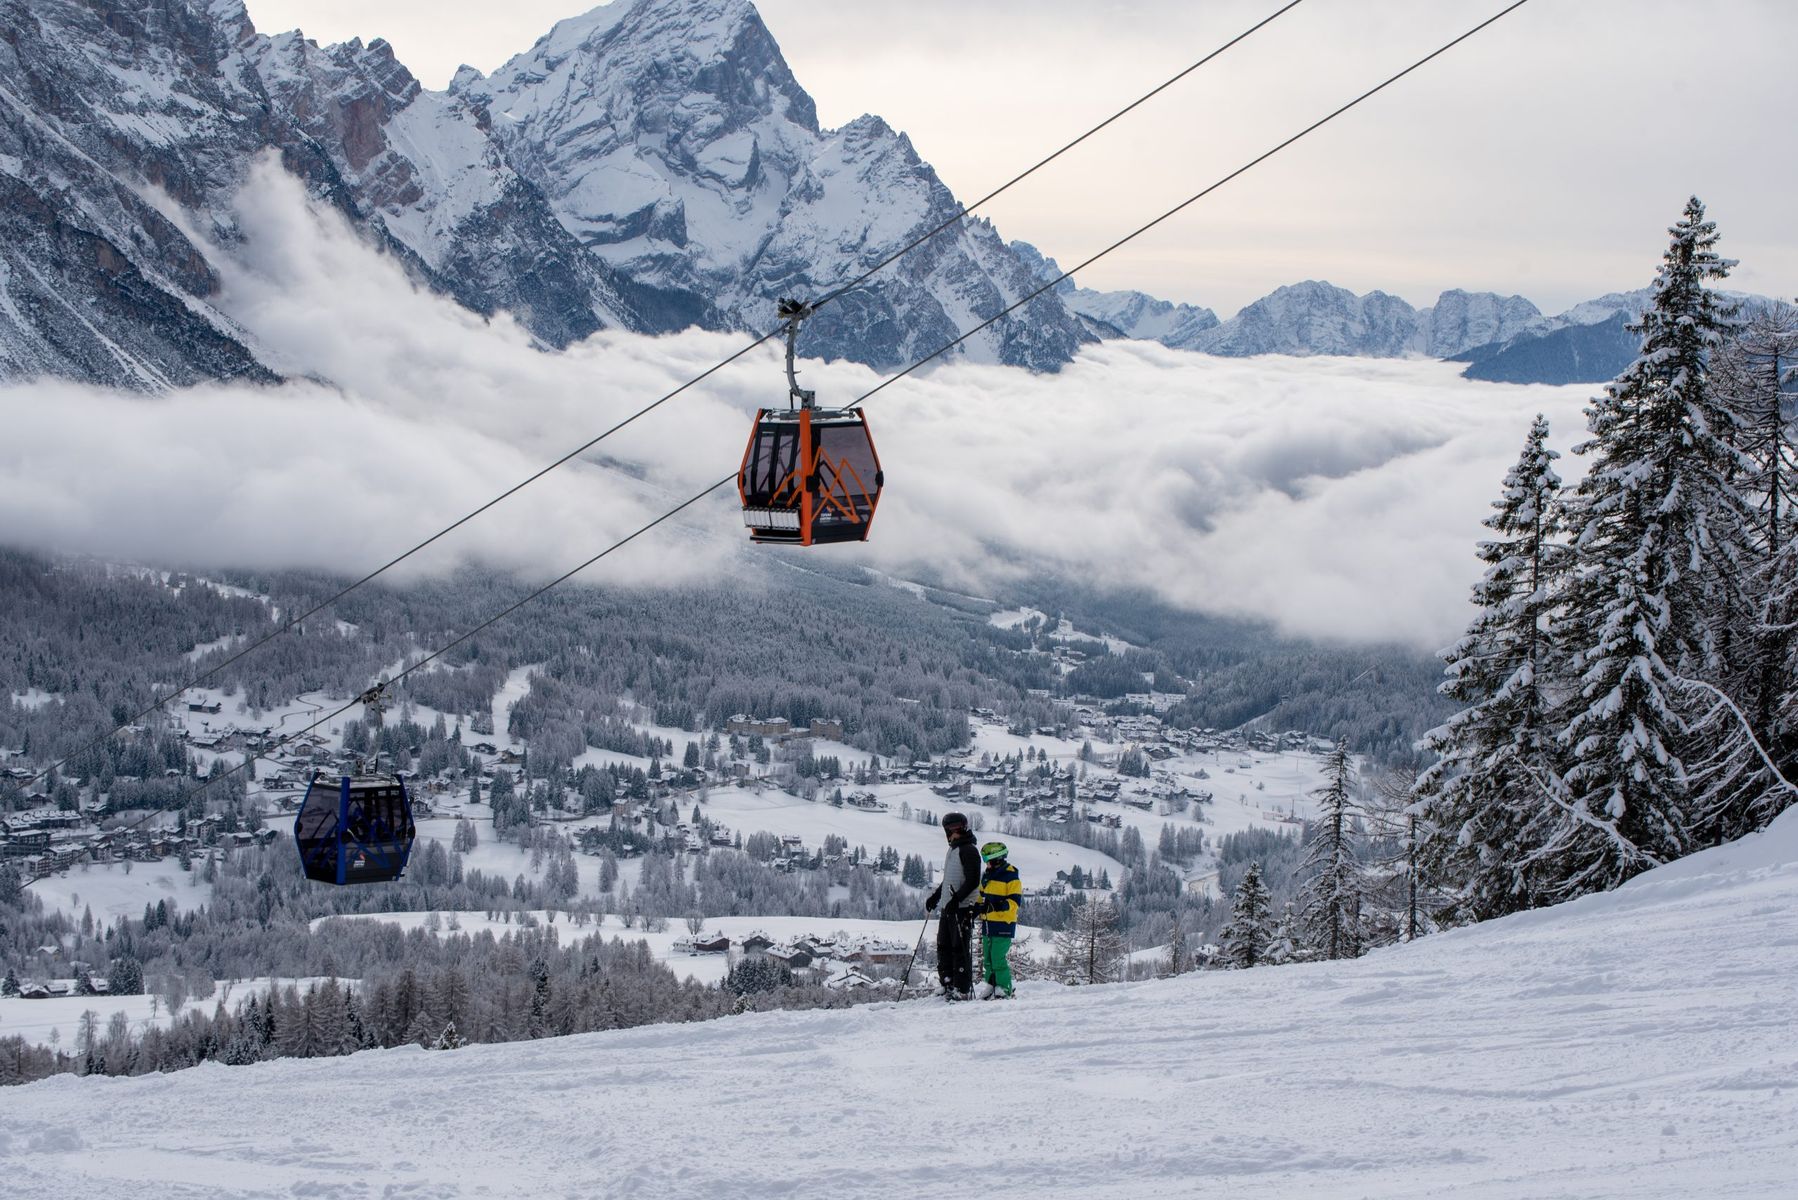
999 892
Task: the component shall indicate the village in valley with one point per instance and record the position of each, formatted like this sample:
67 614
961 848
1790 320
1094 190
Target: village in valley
813 803
1064 793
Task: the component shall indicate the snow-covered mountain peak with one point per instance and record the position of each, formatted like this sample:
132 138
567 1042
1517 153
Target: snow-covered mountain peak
233 19
657 53
1315 317
697 30
657 125
465 78
1461 320
672 139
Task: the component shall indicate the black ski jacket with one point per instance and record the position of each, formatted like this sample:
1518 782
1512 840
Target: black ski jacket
961 874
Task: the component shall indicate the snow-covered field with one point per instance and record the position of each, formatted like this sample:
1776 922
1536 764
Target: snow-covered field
1637 1044
705 968
121 889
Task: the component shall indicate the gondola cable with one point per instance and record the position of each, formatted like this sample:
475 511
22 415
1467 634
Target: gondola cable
701 495
18 789
1189 201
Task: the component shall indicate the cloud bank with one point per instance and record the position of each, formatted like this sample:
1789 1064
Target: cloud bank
1337 498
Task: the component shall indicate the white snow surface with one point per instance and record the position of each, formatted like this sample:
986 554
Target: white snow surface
1633 1044
120 889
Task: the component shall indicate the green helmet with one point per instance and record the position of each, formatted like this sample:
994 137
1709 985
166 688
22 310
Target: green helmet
992 850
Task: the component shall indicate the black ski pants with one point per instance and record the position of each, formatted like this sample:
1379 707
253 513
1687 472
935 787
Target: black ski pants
954 949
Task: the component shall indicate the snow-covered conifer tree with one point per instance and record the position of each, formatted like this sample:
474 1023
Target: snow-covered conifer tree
1246 937
1757 380
1659 529
1283 941
1330 899
1483 804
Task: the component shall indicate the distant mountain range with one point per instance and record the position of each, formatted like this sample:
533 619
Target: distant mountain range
1504 339
650 166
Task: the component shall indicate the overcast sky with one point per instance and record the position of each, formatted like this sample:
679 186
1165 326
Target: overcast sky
1545 157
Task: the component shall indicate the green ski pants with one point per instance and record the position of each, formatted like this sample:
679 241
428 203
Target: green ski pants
995 957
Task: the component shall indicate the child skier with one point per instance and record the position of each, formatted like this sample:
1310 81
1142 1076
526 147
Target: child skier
999 892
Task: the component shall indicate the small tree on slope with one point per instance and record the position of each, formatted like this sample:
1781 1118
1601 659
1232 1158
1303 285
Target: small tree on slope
1659 534
1091 947
1481 806
1330 899
1246 937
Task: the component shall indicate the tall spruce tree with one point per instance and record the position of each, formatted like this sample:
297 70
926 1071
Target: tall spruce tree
1482 805
1660 526
1757 379
1246 937
1330 898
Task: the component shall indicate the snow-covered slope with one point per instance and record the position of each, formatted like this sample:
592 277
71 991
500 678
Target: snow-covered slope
1636 1044
672 138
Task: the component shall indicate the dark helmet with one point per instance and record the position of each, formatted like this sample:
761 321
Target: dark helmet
954 820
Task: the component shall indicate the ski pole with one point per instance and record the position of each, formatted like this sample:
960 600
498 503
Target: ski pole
906 978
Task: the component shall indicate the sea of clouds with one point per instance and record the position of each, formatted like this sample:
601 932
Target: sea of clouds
1337 498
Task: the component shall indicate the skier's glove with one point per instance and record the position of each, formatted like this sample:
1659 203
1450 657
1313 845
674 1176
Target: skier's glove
930 901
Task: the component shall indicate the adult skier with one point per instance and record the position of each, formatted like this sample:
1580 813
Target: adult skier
958 895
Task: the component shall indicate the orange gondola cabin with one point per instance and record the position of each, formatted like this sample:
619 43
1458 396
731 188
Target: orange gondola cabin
810 475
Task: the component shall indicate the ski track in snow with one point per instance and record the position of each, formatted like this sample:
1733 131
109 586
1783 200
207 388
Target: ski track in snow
1635 1045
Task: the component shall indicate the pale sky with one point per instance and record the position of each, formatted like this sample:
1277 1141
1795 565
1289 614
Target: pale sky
1545 157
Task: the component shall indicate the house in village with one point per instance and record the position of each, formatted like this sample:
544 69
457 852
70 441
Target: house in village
794 958
769 727
849 978
702 943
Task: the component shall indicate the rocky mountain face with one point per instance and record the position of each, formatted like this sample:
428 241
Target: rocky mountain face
1459 320
653 165
1318 318
423 171
126 130
104 111
672 139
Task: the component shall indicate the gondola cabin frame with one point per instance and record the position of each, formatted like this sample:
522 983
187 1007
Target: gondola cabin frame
809 477
354 828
